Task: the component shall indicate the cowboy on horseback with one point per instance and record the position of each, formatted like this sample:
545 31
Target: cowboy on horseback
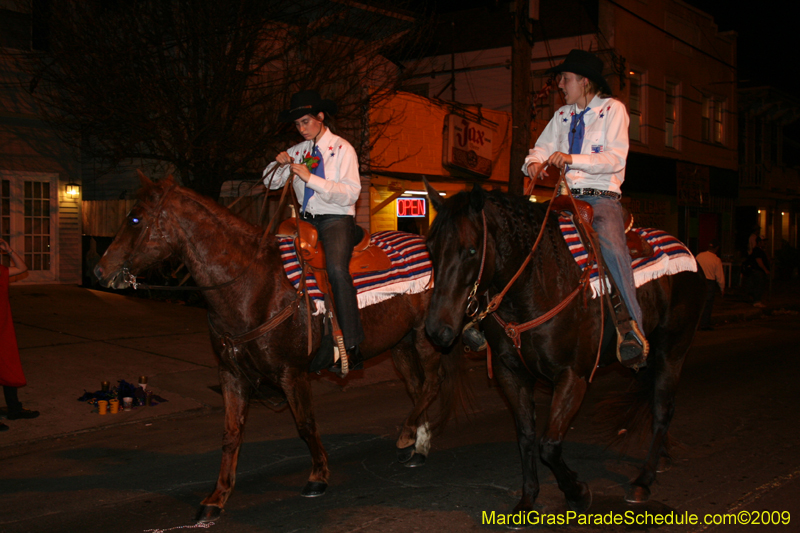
588 140
327 190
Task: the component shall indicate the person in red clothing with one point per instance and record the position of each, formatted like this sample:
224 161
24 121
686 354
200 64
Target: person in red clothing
11 376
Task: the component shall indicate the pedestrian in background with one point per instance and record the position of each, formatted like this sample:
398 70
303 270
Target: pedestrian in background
754 236
756 271
11 376
711 264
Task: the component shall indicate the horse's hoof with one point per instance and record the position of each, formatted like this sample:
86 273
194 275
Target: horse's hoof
313 489
664 464
637 494
208 513
416 460
405 454
582 503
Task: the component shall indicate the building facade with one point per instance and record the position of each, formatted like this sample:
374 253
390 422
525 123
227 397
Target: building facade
769 182
40 200
664 59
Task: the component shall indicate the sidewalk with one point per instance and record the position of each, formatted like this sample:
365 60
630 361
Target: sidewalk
71 339
782 296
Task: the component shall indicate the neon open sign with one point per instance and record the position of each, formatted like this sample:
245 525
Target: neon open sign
410 207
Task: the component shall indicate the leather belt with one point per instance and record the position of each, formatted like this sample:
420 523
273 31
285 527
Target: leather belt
596 192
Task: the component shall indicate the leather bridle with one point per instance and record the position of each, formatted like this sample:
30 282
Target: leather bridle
513 330
473 306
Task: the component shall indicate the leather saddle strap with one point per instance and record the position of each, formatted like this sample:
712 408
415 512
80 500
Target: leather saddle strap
230 340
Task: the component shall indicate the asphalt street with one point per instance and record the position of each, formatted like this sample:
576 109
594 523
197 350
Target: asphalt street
736 432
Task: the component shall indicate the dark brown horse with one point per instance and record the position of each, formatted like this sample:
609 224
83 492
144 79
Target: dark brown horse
250 289
563 350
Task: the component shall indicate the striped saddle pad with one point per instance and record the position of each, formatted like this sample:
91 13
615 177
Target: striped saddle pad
410 272
670 255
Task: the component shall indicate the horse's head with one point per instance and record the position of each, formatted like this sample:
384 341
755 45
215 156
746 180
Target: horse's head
460 247
141 241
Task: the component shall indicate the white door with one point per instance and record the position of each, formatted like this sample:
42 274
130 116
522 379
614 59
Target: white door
28 221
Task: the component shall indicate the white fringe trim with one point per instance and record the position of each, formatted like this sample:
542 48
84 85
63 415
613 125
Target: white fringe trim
664 267
380 294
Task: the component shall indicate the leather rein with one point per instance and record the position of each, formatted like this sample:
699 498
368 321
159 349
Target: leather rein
515 330
230 341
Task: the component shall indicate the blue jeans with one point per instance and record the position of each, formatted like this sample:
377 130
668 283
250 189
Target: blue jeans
609 226
339 234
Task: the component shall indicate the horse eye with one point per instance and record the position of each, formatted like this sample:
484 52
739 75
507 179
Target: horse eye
472 251
134 221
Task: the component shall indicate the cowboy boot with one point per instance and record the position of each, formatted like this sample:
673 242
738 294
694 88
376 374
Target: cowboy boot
355 361
474 339
632 346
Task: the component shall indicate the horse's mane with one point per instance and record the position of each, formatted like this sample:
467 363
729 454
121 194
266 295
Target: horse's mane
518 220
215 210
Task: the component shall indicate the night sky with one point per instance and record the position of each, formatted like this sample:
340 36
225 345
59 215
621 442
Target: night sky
765 41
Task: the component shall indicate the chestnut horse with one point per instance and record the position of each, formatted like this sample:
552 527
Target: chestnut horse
562 350
245 288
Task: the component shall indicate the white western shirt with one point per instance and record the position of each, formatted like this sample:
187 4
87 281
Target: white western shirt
338 192
601 161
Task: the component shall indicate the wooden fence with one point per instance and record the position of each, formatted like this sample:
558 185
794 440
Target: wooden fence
102 218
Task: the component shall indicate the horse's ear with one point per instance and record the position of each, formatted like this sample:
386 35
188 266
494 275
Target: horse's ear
144 179
433 196
477 197
169 180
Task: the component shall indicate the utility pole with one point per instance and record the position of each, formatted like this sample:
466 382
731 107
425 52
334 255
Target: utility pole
520 94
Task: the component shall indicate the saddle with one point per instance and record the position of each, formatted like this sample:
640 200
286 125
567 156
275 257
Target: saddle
637 246
365 258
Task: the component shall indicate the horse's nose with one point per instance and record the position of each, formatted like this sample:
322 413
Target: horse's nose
442 336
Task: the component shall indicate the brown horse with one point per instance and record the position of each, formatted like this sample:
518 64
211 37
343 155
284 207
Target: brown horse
562 350
246 288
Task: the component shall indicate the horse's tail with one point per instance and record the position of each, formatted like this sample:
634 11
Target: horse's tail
454 390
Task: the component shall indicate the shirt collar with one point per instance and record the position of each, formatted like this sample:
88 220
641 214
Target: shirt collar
326 139
596 103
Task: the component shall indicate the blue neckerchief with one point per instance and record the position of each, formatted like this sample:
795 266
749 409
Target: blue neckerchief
308 192
576 131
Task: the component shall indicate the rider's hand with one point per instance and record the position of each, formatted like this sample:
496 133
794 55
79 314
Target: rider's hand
4 247
559 159
534 169
283 158
301 171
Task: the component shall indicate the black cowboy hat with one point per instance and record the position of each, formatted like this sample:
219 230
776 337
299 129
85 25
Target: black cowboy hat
306 103
584 64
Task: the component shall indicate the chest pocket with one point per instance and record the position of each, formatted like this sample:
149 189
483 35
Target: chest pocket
594 141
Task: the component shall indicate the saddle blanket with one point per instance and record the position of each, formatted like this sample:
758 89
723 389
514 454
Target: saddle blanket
670 256
410 272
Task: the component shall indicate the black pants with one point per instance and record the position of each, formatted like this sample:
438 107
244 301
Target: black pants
12 400
339 235
711 292
757 284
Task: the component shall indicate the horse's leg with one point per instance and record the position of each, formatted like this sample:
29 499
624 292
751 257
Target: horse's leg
664 373
413 444
298 394
568 394
518 387
235 395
